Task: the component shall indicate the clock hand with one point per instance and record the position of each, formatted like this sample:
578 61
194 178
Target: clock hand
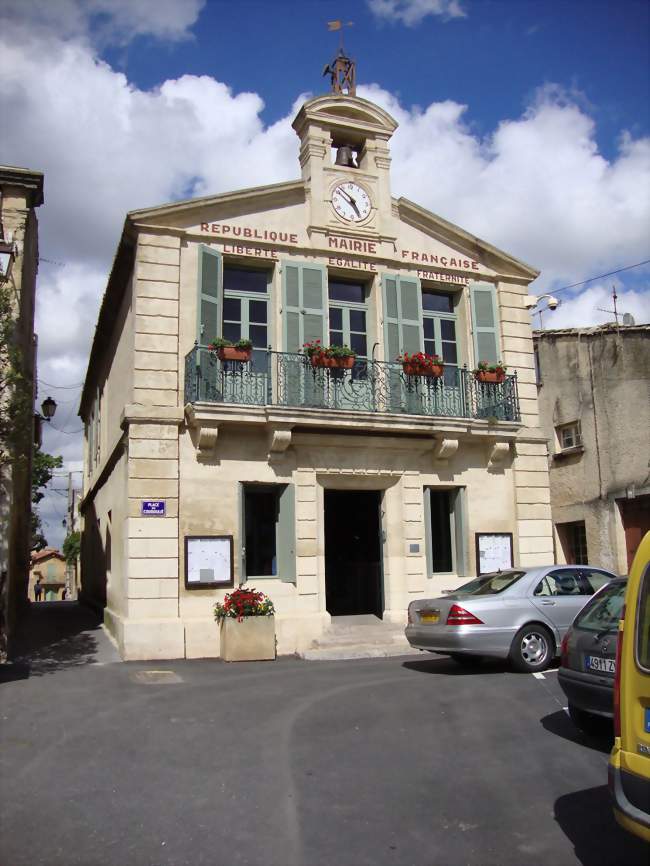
351 199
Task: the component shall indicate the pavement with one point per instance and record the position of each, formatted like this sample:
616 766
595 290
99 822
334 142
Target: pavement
407 761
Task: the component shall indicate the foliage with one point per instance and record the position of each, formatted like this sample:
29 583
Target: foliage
72 547
485 366
314 348
15 389
421 359
43 466
222 343
243 602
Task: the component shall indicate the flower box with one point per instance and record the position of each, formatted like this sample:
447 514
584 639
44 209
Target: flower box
492 376
247 640
432 370
231 353
345 362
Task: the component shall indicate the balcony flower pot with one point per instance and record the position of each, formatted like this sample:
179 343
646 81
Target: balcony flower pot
343 362
232 353
432 370
246 620
491 376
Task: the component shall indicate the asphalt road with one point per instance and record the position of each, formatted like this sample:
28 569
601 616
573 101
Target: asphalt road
292 763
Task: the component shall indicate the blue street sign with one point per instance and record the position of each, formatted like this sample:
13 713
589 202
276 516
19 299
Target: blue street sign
152 508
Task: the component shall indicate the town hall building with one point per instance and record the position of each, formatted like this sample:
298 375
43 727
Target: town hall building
339 488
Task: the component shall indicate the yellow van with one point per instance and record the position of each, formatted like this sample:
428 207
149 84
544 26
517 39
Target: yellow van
629 762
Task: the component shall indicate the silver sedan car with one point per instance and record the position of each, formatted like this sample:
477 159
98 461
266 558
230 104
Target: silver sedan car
519 614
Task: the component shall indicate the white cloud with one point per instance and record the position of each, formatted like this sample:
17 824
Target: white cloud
103 21
413 12
587 307
536 186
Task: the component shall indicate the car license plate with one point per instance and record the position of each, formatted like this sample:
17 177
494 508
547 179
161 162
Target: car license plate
596 663
429 616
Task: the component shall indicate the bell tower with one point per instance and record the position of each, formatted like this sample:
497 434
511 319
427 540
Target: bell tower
345 161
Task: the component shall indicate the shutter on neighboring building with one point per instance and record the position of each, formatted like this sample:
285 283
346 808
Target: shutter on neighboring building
303 304
286 537
485 323
209 295
402 315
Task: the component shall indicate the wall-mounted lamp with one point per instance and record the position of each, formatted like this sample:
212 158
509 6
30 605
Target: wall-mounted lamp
7 256
48 408
531 301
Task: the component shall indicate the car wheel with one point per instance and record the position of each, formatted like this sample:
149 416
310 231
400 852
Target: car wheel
532 649
586 721
465 659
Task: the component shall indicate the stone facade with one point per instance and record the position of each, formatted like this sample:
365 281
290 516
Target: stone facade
594 393
165 421
21 192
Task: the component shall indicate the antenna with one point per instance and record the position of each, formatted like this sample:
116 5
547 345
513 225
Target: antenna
615 311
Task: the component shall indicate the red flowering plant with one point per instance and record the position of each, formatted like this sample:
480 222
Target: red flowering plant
486 367
243 602
315 348
420 362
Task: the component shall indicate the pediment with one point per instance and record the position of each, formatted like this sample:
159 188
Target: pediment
350 113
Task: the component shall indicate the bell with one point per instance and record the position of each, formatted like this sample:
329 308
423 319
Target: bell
345 156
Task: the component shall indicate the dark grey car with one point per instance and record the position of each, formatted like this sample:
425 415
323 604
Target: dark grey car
588 658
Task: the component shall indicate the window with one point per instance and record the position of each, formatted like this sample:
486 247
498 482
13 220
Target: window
603 613
573 539
643 623
565 581
246 309
444 530
268 531
490 584
439 328
347 315
594 579
569 435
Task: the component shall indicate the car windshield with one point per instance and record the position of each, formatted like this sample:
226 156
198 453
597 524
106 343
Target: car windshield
490 584
604 610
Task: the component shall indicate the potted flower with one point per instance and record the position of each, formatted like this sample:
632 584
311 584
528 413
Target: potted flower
339 357
494 373
226 350
421 364
246 620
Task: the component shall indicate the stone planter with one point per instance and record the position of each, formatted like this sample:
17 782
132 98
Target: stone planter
230 353
493 376
433 370
252 639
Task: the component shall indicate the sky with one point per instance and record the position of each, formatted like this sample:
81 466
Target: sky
525 122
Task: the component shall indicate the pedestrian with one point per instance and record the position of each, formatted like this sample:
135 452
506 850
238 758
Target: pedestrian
38 589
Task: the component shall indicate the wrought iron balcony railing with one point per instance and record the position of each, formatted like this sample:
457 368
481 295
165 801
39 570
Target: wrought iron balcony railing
285 379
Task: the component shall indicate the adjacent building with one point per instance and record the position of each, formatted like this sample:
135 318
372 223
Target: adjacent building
48 567
336 491
594 396
21 192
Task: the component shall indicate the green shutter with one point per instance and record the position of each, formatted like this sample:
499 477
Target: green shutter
485 323
304 304
209 295
402 301
286 535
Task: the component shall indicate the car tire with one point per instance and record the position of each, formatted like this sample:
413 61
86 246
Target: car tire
465 659
532 649
585 721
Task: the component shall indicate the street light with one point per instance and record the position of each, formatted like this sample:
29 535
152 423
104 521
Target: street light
48 408
531 301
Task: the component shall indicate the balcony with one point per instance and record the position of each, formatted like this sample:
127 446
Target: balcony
284 379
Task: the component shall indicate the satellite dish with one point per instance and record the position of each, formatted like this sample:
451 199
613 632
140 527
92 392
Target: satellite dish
628 319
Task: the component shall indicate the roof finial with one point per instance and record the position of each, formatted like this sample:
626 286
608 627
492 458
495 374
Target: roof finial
342 70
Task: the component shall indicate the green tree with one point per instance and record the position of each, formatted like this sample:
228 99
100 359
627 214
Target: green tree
71 547
43 466
15 389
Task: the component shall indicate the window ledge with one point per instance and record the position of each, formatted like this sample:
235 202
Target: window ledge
569 452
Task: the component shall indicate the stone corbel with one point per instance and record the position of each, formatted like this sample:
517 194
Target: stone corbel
499 453
279 439
207 440
445 449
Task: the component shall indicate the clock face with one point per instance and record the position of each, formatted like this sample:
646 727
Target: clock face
351 202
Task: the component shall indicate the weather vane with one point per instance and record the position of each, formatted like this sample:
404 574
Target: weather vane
342 70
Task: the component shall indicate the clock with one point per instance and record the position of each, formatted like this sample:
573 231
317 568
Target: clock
351 202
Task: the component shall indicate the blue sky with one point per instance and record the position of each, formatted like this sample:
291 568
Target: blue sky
526 122
492 59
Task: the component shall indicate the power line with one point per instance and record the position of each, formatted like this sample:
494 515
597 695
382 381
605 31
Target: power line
61 387
600 277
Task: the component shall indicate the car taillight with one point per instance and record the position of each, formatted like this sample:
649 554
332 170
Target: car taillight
410 614
564 651
617 679
459 616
